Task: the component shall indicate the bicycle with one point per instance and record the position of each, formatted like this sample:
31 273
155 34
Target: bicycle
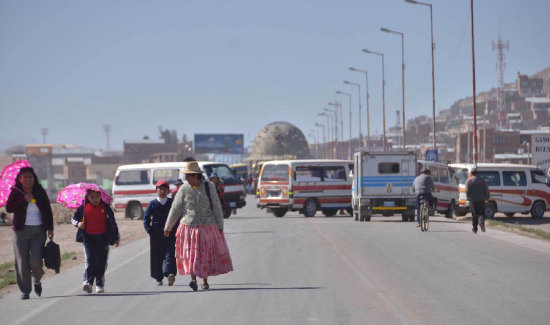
424 214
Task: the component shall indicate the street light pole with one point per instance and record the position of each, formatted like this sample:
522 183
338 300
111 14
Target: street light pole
359 101
433 72
349 97
338 116
473 82
329 126
383 94
367 97
334 131
322 126
402 73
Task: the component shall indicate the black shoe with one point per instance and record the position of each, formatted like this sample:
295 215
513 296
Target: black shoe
205 286
193 285
474 231
38 289
482 226
24 296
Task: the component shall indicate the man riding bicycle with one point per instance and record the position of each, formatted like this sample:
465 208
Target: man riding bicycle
423 186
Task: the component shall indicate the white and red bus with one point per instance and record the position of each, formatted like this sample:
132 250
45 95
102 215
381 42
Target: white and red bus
305 186
134 185
513 189
446 184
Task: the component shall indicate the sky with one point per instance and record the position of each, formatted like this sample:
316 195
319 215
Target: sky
235 66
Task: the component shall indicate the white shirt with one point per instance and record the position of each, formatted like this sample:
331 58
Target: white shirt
34 218
162 201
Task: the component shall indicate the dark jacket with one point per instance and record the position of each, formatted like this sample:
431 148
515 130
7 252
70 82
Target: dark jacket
112 228
476 189
18 206
155 215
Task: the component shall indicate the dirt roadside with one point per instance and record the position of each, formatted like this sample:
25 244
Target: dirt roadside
64 235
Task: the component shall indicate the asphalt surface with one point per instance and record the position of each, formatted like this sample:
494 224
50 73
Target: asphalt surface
296 270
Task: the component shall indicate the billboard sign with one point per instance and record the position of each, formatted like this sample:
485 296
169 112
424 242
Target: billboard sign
540 149
219 143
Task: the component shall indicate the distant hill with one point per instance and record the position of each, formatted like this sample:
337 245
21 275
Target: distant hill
545 75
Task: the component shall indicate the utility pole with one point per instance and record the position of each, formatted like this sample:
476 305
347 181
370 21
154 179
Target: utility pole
44 134
107 130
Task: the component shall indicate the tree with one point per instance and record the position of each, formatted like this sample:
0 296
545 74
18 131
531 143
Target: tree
169 136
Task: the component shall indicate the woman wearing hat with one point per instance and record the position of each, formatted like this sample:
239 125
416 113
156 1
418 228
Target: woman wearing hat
163 261
201 249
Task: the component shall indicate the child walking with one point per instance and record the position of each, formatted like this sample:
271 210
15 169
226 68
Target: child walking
97 229
162 249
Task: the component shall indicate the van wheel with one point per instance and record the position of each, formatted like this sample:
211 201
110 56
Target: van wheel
310 208
279 212
490 211
134 211
329 213
450 211
537 211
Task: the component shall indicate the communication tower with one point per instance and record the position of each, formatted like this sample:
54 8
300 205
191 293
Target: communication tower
500 46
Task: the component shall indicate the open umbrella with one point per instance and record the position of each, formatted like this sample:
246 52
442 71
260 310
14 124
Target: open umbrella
73 195
7 179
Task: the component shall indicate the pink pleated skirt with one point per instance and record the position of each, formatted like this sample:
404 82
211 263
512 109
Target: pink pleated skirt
202 251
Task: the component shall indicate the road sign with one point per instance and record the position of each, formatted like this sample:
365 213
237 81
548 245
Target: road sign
540 148
431 155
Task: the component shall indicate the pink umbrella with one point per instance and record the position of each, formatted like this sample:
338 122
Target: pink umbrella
73 195
7 179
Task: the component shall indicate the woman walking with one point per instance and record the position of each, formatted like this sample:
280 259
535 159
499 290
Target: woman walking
201 249
32 221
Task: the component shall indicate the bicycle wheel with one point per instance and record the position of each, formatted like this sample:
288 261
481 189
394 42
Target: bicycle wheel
427 217
423 217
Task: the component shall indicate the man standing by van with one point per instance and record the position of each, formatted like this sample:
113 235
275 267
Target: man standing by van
423 185
477 192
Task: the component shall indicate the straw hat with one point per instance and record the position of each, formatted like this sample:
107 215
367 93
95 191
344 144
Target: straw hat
191 167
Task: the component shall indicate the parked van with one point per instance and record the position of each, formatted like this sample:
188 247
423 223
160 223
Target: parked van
382 182
446 184
134 185
514 188
305 186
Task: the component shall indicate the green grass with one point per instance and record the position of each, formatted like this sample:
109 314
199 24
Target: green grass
67 255
7 274
7 270
537 232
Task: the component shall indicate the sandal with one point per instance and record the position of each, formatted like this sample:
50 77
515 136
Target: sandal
205 286
193 285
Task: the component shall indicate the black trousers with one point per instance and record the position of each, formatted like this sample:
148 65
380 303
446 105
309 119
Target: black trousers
96 249
163 254
478 213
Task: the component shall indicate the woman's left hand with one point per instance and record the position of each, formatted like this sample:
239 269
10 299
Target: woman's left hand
50 234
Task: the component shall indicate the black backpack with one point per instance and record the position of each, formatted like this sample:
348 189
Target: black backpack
52 256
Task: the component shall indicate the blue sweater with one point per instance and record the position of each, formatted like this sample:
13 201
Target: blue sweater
156 215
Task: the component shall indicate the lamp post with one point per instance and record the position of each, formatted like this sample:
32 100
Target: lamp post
359 101
329 127
473 84
402 72
383 95
334 131
367 97
316 132
432 46
338 107
349 97
311 134
322 126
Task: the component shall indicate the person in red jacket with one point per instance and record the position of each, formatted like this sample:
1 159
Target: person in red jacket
32 222
97 229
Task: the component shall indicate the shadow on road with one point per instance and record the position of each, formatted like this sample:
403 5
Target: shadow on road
153 293
249 232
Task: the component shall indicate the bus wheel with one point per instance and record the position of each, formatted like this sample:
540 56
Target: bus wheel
310 208
134 211
537 211
279 212
490 210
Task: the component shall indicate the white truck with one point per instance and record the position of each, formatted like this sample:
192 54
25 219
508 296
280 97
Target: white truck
381 184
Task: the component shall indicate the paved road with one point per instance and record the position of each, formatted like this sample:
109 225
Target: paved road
297 270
